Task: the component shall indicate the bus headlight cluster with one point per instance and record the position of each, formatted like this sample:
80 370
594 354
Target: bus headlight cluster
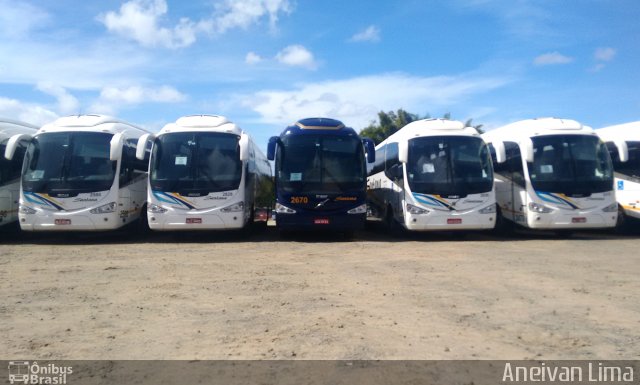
156 209
538 208
611 208
233 208
489 209
415 210
362 209
26 210
280 209
104 209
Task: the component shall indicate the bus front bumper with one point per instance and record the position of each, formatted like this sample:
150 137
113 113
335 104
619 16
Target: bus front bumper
447 222
75 222
195 221
572 221
317 221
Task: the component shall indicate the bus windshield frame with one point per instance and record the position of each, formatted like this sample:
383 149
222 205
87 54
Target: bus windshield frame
71 162
630 168
449 165
577 165
196 163
320 164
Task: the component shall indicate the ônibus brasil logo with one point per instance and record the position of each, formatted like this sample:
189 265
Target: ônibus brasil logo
24 372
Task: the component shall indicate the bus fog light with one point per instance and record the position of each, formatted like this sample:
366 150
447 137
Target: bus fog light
280 209
611 208
415 210
538 208
362 209
489 210
26 210
152 208
233 208
104 209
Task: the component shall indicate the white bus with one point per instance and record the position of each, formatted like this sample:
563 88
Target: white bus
552 174
81 173
10 168
623 142
206 173
433 174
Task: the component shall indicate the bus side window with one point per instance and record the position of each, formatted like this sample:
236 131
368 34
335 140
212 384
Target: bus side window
378 165
129 165
391 159
514 164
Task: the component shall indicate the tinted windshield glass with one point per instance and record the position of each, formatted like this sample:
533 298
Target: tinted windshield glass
570 164
196 162
66 162
449 165
320 164
631 167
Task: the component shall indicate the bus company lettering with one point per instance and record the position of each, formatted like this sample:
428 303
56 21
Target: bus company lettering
346 199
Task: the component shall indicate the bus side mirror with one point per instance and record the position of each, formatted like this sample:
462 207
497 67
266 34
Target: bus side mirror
115 150
271 148
244 147
403 151
623 150
141 147
13 143
501 152
526 146
370 149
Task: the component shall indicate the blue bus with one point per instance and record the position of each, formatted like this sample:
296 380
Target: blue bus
320 176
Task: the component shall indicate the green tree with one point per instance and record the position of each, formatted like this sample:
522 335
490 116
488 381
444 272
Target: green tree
390 122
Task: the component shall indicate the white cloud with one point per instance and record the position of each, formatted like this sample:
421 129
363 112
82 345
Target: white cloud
252 58
296 55
139 19
552 58
26 112
18 18
357 100
243 13
67 103
370 34
605 54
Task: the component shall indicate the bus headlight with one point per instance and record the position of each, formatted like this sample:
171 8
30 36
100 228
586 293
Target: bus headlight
611 208
104 209
538 208
489 209
362 209
415 210
152 208
280 209
26 210
233 208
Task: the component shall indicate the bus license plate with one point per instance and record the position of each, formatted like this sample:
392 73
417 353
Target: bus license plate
321 221
191 221
578 220
63 221
454 221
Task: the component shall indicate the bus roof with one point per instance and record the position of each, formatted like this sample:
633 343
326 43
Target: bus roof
9 128
203 123
319 125
90 123
537 127
431 127
627 132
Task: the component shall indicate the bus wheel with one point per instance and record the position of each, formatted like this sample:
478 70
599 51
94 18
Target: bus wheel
622 220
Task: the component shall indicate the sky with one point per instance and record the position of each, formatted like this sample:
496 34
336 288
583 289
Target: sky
266 63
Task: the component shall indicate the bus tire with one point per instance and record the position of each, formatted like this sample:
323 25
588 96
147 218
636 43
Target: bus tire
143 221
392 227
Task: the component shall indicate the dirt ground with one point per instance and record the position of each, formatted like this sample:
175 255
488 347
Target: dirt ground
228 296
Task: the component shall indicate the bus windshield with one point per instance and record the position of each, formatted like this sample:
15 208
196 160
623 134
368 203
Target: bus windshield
570 164
69 162
630 168
449 165
322 164
196 162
